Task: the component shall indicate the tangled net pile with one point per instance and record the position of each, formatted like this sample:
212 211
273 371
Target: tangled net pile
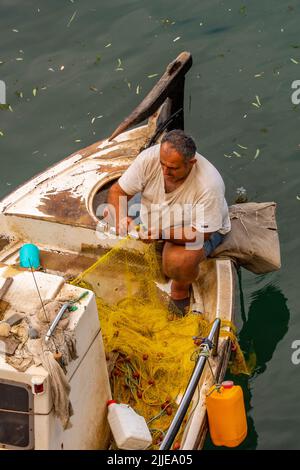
154 350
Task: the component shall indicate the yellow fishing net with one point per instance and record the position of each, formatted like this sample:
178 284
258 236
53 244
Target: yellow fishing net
154 350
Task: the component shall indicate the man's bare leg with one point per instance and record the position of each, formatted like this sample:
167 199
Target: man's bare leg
182 266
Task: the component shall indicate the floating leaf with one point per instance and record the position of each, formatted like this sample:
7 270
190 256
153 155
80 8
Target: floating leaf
256 105
10 108
243 10
1 133
19 58
34 91
258 100
242 147
227 156
153 75
15 30
167 22
93 88
276 69
72 18
298 198
108 45
62 67
258 75
294 61
19 94
51 69
176 39
78 140
256 154
236 154
138 90
96 117
98 59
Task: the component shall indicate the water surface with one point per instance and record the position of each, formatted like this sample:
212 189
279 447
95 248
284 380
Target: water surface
244 52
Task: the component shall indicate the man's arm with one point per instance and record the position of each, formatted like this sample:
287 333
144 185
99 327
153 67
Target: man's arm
177 235
118 200
129 184
180 236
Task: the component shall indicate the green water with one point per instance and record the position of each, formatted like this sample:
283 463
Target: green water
231 42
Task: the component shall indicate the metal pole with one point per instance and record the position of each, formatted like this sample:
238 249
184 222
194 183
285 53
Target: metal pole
56 320
216 337
190 390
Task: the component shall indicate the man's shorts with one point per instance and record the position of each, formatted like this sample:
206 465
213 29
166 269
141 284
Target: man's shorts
211 244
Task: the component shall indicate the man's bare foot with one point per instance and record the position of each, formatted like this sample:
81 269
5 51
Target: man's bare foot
180 290
179 307
180 297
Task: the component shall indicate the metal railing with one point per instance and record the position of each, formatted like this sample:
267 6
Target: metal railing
213 337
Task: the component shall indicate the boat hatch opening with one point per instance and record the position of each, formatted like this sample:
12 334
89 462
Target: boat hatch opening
16 415
100 199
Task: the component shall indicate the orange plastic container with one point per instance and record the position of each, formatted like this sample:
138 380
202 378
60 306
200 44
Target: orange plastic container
226 415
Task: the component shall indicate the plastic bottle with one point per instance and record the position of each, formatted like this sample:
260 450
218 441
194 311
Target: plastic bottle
226 414
129 429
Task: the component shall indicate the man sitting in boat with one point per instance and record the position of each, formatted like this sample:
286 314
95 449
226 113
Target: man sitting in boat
182 203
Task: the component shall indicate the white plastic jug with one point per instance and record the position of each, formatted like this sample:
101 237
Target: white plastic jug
129 429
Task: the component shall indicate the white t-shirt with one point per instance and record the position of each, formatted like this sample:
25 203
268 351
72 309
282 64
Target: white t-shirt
199 201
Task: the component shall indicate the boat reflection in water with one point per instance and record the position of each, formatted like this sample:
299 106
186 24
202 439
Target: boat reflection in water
266 325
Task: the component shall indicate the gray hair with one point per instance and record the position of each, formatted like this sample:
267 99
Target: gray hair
183 143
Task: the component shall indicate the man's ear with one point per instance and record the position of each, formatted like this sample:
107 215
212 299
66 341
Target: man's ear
193 161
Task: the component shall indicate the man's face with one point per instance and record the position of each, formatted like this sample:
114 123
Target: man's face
173 166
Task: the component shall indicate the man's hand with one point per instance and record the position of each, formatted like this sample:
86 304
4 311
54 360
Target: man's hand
123 228
150 236
118 200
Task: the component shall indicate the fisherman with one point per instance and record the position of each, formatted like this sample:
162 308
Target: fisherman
182 203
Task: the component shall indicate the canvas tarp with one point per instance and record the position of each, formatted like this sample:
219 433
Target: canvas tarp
253 240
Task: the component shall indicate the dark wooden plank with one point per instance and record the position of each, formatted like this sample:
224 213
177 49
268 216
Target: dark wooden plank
5 286
169 85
